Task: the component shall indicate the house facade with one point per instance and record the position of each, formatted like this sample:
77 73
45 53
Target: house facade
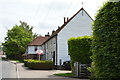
55 47
34 46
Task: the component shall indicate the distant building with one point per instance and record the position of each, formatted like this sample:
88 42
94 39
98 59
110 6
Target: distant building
34 46
55 47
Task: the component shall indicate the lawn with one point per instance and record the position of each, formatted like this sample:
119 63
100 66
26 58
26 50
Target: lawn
64 74
19 61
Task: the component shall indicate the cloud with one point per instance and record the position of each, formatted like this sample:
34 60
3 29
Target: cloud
44 15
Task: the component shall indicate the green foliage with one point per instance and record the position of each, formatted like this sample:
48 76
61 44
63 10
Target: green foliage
0 47
79 49
17 39
106 42
18 61
37 64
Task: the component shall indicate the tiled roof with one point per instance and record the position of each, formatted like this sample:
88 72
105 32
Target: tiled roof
60 28
38 41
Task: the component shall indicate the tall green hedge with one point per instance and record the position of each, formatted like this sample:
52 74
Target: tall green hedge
106 42
79 49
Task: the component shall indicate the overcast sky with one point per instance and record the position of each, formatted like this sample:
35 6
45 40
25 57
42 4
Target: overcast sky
43 15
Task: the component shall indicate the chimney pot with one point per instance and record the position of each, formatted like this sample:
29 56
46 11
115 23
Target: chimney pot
58 27
64 19
53 31
47 35
67 19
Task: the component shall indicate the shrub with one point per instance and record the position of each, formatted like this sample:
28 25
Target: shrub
36 64
3 58
27 61
106 42
79 49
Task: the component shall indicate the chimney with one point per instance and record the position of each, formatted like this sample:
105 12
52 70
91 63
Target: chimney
58 27
53 31
48 35
64 19
67 19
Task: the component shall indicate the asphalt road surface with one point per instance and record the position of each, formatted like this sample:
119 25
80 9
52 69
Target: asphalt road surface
8 70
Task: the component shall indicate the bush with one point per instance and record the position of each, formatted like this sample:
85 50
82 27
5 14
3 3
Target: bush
3 58
27 61
106 42
36 64
79 49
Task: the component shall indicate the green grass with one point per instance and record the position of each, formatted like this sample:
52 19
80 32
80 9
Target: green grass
65 74
18 61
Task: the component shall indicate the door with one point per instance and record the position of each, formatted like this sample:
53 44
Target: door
54 57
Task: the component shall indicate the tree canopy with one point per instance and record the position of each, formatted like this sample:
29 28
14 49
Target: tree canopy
0 47
17 39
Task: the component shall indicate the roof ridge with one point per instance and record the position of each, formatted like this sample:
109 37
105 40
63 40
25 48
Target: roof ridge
63 25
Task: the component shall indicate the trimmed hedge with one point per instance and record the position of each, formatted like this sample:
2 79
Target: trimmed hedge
37 64
79 49
27 61
106 42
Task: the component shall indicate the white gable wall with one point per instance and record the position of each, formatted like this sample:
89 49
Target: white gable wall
78 26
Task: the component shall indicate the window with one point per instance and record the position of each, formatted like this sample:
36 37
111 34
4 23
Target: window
35 48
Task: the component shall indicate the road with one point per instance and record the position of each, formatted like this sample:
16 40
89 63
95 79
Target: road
8 70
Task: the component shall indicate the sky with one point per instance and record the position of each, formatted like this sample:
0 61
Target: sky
43 15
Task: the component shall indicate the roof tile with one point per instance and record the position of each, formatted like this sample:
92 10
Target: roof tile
38 41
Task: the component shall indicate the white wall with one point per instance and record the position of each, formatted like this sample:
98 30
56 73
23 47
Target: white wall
31 49
78 26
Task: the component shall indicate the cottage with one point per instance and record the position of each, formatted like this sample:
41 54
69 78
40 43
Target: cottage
34 46
55 47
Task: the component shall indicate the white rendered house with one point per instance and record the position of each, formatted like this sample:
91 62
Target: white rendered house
55 47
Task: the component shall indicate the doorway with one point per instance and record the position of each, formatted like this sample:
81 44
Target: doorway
54 57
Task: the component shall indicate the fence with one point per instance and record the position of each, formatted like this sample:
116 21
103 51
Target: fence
80 70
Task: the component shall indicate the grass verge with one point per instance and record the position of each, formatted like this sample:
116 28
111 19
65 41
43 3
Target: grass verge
19 61
64 74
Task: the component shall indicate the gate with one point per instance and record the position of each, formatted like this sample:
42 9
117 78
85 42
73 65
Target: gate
81 70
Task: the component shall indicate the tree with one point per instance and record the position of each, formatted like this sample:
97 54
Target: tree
106 42
17 39
0 47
